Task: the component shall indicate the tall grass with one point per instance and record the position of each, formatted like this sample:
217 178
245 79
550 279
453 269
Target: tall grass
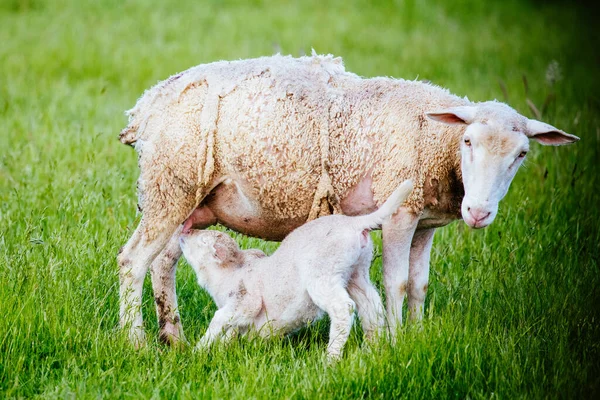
512 310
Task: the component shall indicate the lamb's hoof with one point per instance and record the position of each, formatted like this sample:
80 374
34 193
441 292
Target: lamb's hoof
201 347
416 325
333 357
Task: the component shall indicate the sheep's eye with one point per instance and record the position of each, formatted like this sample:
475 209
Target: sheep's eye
468 142
522 154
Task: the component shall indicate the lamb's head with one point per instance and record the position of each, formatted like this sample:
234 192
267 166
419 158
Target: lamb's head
493 147
210 249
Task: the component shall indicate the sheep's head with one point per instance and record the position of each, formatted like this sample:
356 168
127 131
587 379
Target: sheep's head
493 147
210 249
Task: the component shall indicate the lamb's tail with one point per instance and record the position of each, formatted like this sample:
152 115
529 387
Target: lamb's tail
375 219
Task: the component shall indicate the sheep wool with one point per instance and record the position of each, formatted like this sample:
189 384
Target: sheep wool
301 133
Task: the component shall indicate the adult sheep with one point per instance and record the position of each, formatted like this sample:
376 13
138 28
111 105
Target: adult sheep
263 145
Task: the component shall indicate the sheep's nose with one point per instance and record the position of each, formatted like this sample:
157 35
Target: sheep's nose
478 214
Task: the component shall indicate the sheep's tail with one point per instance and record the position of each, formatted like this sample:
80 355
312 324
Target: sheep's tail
375 219
128 135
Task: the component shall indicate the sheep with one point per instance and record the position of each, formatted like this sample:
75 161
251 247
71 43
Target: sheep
264 145
322 266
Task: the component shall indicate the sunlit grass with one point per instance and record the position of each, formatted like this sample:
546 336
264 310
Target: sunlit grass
512 310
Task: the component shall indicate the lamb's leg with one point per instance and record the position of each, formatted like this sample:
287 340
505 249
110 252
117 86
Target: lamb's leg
333 298
229 335
368 305
365 295
397 236
162 272
418 276
219 325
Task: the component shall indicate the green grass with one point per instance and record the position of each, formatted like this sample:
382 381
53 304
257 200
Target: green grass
512 312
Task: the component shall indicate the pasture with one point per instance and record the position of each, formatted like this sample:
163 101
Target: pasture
512 310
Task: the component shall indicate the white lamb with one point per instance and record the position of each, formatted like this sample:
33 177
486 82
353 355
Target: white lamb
321 266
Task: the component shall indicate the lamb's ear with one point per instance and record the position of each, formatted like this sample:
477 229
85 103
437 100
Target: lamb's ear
256 253
220 251
454 115
547 134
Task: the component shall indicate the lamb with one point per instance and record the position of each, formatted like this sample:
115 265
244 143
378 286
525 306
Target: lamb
321 266
264 145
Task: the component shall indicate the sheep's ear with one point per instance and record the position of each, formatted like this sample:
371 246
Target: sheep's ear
547 134
454 115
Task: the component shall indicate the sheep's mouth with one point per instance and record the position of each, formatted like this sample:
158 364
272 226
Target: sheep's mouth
478 223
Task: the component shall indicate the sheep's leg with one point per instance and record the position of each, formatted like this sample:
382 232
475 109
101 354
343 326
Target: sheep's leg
418 275
134 259
162 272
366 297
166 203
163 277
335 301
398 232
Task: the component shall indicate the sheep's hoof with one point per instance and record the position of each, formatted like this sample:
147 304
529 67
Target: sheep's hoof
137 337
172 335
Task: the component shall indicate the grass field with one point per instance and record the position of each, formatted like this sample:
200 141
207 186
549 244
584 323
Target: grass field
512 312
